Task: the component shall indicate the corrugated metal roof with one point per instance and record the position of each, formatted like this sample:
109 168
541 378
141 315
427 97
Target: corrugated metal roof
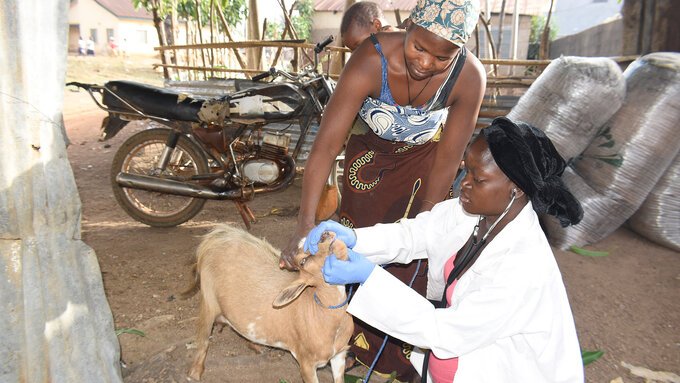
124 8
524 7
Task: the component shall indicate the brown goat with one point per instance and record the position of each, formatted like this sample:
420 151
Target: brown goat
241 285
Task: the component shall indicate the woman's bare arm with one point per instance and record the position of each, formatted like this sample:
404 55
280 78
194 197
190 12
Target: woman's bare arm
357 81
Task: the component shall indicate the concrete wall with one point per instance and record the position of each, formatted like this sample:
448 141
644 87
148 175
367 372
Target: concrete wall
56 324
604 40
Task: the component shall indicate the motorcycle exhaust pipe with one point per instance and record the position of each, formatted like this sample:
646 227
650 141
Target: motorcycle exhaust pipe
168 186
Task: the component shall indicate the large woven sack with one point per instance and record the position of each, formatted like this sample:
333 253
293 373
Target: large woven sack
658 219
629 154
571 100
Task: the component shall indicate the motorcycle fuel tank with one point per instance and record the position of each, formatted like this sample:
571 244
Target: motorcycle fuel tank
261 171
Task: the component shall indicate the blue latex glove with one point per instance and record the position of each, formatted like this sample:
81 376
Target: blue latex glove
355 270
345 234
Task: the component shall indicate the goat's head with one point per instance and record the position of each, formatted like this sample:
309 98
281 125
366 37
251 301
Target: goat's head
309 266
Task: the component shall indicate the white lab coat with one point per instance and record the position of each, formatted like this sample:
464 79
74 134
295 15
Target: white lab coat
509 319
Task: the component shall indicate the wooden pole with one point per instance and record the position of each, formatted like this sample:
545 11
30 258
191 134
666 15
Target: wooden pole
253 55
200 34
226 31
500 30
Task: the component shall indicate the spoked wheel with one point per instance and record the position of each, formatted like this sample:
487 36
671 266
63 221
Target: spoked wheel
140 154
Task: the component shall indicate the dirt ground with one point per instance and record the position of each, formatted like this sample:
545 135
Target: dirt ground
626 304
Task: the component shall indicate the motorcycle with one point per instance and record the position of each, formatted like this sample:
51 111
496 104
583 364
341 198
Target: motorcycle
208 148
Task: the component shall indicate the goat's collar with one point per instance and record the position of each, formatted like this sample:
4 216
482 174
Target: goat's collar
318 301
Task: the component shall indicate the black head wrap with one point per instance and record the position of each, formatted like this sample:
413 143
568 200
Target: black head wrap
528 157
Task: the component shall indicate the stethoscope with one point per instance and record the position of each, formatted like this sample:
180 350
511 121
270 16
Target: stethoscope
469 253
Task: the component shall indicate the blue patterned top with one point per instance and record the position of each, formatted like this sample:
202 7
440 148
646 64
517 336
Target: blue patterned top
408 124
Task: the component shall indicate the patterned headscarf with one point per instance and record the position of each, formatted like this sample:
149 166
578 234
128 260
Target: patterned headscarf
528 157
453 20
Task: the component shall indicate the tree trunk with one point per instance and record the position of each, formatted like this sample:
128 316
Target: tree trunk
56 324
158 23
545 37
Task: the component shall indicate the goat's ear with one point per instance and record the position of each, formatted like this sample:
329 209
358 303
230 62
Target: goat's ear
290 293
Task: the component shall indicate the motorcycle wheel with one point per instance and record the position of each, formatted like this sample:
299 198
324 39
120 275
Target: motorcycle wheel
140 154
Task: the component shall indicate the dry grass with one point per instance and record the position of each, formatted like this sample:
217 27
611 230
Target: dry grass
100 69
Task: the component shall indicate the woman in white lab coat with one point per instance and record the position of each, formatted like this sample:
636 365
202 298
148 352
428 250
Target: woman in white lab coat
505 316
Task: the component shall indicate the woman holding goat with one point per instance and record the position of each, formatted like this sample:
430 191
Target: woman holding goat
502 313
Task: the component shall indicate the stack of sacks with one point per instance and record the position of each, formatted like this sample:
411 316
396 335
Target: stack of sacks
571 100
630 153
658 219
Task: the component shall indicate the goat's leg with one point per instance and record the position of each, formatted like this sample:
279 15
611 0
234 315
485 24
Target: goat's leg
206 319
308 371
338 366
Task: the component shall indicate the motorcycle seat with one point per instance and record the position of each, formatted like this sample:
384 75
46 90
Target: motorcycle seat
151 100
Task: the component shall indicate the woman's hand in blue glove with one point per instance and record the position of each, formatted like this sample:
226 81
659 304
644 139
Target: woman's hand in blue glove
355 270
345 234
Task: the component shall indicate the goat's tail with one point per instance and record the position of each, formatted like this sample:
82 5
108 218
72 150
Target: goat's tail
195 286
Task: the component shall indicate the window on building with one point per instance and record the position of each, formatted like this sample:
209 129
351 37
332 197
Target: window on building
141 37
109 34
93 35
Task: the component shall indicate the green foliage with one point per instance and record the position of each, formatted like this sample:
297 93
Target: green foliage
234 10
537 26
274 31
132 331
591 356
302 21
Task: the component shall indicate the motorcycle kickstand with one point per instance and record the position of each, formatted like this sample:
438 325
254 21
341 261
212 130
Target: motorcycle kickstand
246 214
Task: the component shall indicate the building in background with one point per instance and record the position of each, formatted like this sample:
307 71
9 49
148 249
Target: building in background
111 24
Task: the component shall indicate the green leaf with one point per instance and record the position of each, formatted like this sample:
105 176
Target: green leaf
591 356
608 144
588 253
352 379
133 331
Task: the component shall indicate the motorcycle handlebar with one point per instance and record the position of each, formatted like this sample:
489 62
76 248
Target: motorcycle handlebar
261 76
320 46
79 85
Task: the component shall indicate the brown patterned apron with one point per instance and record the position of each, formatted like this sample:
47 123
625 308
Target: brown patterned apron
383 182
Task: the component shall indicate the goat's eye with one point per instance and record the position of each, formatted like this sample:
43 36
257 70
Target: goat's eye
303 261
